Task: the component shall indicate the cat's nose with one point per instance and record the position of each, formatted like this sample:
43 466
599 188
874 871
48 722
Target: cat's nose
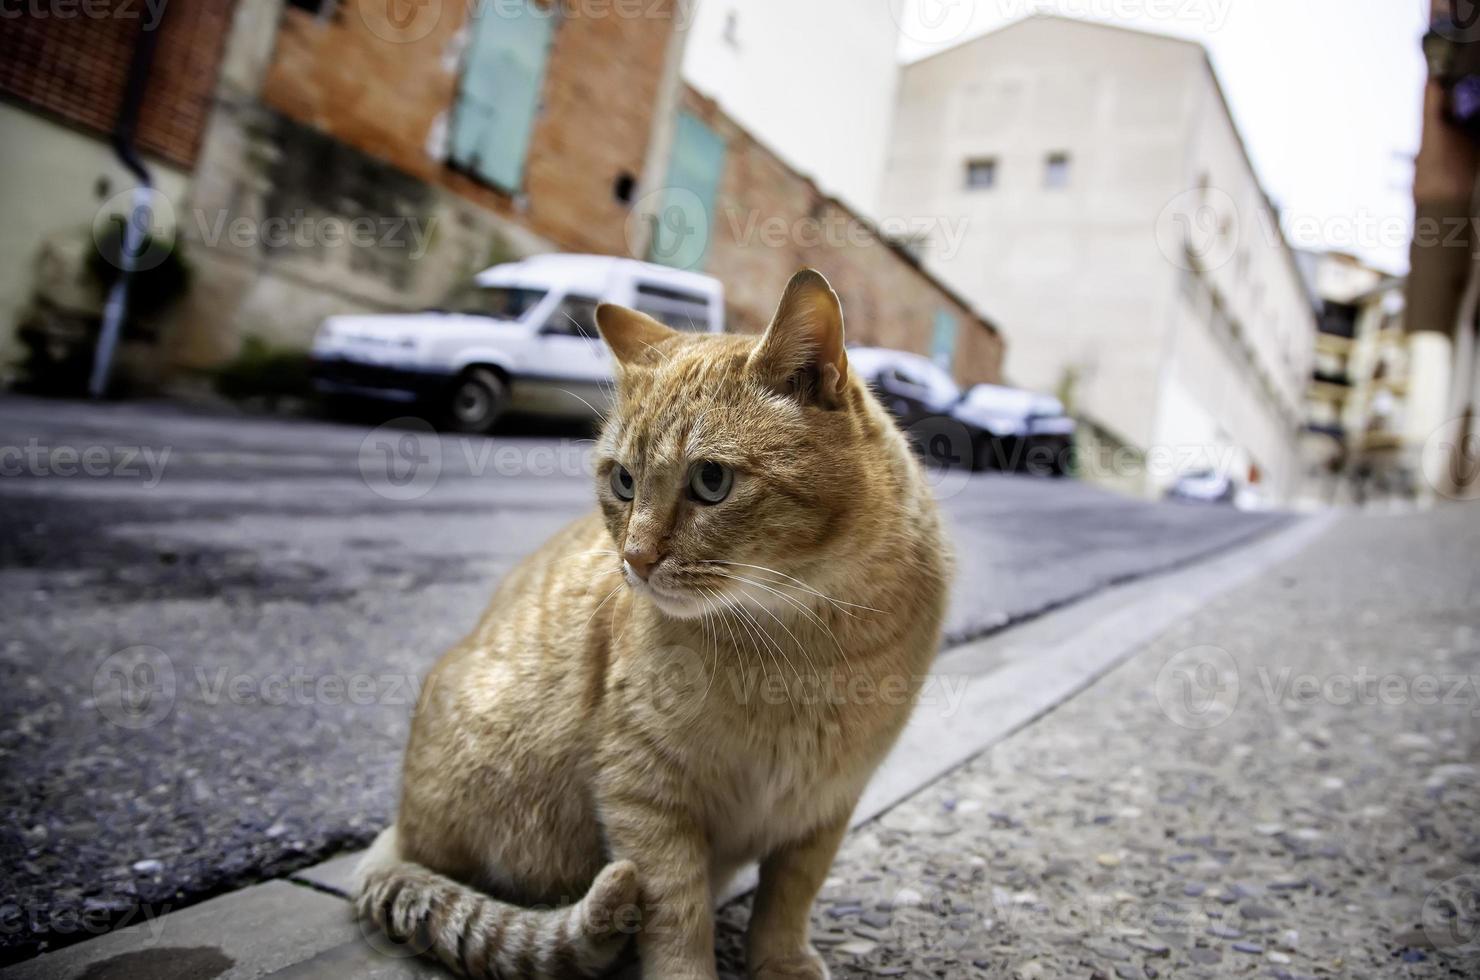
641 559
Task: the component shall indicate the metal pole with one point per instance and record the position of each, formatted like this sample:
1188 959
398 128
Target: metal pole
135 232
115 310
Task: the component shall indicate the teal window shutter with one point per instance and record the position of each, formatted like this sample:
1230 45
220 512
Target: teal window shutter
499 93
682 224
943 343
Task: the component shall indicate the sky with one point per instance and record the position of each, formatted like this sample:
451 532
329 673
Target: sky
1327 95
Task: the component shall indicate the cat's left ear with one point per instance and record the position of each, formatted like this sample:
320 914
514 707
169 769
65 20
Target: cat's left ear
802 352
634 338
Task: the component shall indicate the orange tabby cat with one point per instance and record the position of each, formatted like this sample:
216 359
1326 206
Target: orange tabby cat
703 675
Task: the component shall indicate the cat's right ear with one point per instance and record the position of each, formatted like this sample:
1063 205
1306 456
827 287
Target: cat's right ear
801 351
634 338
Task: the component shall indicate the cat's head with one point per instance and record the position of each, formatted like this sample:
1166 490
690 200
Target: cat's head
732 466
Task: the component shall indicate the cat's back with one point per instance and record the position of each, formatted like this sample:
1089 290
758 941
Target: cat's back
542 598
507 715
546 632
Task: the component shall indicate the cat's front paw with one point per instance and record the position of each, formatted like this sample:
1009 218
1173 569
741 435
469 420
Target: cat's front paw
804 965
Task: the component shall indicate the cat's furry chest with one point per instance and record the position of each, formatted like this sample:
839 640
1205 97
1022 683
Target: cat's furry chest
766 799
759 773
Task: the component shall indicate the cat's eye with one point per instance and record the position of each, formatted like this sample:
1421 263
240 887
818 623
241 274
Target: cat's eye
710 482
622 483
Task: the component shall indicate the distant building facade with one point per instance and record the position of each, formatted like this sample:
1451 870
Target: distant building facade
1378 392
811 81
1116 232
344 160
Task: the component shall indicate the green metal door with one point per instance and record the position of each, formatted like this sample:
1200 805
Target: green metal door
683 222
499 93
943 343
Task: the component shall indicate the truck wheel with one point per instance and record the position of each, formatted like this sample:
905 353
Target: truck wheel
476 400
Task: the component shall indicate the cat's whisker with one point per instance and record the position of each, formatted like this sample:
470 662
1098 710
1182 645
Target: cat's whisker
626 621
721 608
664 356
601 574
803 586
751 627
714 662
741 650
770 587
801 648
587 554
603 416
777 647
620 586
808 612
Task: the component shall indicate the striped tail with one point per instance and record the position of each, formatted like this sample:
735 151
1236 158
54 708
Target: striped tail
476 935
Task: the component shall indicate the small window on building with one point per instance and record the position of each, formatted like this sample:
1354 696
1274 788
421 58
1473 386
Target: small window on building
624 187
1056 171
981 174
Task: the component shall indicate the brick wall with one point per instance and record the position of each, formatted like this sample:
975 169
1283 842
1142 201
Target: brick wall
348 80
350 77
770 221
72 63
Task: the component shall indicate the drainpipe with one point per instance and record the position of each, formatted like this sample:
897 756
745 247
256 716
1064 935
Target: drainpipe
650 199
1444 278
115 310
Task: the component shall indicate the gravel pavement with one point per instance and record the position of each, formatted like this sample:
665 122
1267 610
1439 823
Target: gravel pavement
1283 785
215 625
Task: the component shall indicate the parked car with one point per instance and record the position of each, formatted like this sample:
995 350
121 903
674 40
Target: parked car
1025 431
1204 487
520 337
1005 428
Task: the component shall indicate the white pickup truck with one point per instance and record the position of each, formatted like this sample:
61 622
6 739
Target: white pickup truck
519 337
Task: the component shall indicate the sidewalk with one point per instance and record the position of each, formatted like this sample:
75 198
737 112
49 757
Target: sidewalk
1282 825
1228 801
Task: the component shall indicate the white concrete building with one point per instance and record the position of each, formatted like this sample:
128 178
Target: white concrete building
813 81
1116 231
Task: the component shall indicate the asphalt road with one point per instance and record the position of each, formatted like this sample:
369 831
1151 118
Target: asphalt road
213 627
